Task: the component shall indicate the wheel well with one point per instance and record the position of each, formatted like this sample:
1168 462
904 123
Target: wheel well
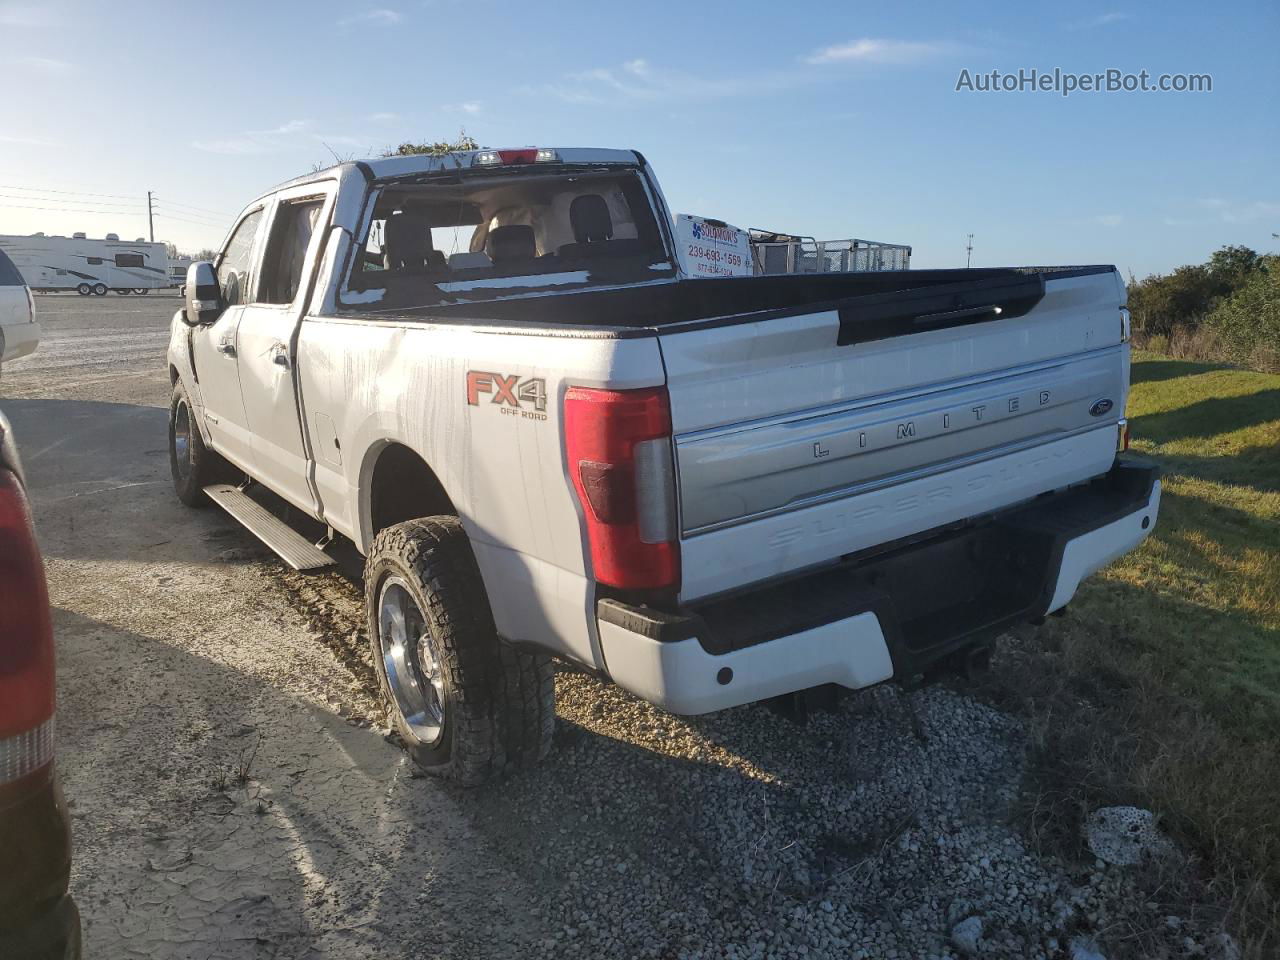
403 488
173 374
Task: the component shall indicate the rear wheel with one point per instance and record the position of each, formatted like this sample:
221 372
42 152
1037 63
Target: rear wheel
124 291
466 704
192 465
141 291
84 289
99 289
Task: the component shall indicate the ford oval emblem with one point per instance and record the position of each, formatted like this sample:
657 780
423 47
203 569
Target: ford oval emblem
1101 407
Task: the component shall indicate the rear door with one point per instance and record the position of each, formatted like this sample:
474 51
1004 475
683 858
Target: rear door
14 305
267 341
798 439
214 346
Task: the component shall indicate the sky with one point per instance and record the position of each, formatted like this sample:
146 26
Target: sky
833 121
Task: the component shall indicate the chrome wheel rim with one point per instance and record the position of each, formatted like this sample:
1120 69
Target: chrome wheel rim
182 439
410 662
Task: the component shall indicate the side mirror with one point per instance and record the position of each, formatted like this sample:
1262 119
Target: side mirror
202 298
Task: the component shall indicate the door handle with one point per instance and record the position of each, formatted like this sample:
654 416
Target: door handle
226 348
280 355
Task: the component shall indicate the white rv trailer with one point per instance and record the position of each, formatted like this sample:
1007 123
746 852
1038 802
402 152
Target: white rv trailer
86 265
178 270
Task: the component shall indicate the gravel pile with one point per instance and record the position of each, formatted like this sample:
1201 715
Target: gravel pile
879 830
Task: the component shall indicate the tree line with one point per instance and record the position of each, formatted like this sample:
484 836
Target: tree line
1226 309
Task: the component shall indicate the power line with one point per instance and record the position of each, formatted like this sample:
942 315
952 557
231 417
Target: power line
162 214
162 205
110 213
192 206
97 203
199 223
75 193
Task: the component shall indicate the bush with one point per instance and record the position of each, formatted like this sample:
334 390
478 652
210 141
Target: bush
1227 309
1248 321
1158 304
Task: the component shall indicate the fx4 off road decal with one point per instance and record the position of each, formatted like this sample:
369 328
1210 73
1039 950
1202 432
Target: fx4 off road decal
515 398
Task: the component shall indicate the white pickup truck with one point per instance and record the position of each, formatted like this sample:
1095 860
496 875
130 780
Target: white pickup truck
487 371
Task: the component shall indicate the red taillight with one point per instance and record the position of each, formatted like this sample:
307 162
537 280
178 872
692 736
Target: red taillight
26 641
1122 439
519 156
618 444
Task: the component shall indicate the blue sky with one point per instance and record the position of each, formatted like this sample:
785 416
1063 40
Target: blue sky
833 121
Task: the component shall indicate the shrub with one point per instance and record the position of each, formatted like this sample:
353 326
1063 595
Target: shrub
1248 321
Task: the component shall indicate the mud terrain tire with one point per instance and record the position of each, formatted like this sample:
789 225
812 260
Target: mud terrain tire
493 705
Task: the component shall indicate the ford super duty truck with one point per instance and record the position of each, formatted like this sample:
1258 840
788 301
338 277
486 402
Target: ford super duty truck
487 371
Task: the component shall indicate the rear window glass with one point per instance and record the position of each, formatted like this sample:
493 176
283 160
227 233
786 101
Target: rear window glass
9 275
474 238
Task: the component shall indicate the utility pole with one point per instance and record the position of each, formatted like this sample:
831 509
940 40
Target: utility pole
968 251
151 221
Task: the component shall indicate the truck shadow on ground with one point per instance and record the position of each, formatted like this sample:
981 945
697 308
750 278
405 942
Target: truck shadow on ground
1208 418
215 815
99 479
1151 371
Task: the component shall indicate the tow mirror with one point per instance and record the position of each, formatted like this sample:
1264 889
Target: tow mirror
203 298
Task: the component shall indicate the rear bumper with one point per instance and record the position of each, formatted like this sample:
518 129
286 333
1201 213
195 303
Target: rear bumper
18 340
893 613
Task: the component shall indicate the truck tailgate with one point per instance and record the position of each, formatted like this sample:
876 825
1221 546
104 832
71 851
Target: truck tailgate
793 450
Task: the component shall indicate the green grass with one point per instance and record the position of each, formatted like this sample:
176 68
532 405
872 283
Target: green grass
1162 686
1210 574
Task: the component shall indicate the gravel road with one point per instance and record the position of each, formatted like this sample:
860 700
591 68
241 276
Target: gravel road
234 794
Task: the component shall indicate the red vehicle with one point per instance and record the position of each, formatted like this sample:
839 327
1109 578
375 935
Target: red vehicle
38 918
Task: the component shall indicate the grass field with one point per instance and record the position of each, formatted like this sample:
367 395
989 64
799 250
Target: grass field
1162 686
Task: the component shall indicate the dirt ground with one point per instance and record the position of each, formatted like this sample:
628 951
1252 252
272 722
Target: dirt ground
234 794
224 801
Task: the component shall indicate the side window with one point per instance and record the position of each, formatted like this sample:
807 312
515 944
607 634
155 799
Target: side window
234 266
9 275
295 222
130 260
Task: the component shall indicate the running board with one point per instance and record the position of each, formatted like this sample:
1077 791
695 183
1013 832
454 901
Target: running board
292 547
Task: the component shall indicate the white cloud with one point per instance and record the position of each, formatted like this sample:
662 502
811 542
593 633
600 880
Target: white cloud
471 106
47 65
1231 211
639 80
1102 20
17 15
872 50
255 141
383 117
381 16
27 141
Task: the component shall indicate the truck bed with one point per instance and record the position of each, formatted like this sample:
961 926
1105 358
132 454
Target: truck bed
872 305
